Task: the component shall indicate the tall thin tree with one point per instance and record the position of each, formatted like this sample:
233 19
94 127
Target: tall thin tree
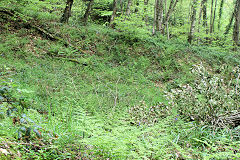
145 11
220 14
229 26
88 10
160 16
114 12
205 24
201 10
121 6
236 25
67 12
193 21
213 15
168 13
155 16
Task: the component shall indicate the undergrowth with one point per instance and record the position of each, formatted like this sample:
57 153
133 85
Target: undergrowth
111 104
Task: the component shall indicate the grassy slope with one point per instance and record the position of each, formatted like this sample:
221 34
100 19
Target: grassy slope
86 105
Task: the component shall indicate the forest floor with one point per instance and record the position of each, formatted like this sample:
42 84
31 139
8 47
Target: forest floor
104 97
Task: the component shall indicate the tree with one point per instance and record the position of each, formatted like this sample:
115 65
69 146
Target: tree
121 6
236 24
213 15
88 10
168 14
145 10
67 12
114 12
193 21
220 13
166 22
205 24
159 16
229 24
155 16
201 13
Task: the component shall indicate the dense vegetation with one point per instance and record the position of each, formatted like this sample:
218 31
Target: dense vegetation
127 79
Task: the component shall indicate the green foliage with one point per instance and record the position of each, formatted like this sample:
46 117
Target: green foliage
110 105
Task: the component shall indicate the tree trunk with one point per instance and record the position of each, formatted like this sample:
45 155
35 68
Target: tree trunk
114 13
87 13
155 17
166 23
193 20
121 6
229 24
211 16
145 10
128 11
231 19
201 13
220 13
160 16
214 17
67 12
169 12
205 24
236 25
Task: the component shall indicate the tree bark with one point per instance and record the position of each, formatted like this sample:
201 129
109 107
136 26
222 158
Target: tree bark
205 24
229 24
114 13
236 25
87 13
160 16
121 6
67 12
231 19
166 23
169 12
201 13
193 20
214 17
155 16
145 10
220 14
211 16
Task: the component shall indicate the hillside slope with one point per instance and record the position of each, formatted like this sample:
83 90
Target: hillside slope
105 96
